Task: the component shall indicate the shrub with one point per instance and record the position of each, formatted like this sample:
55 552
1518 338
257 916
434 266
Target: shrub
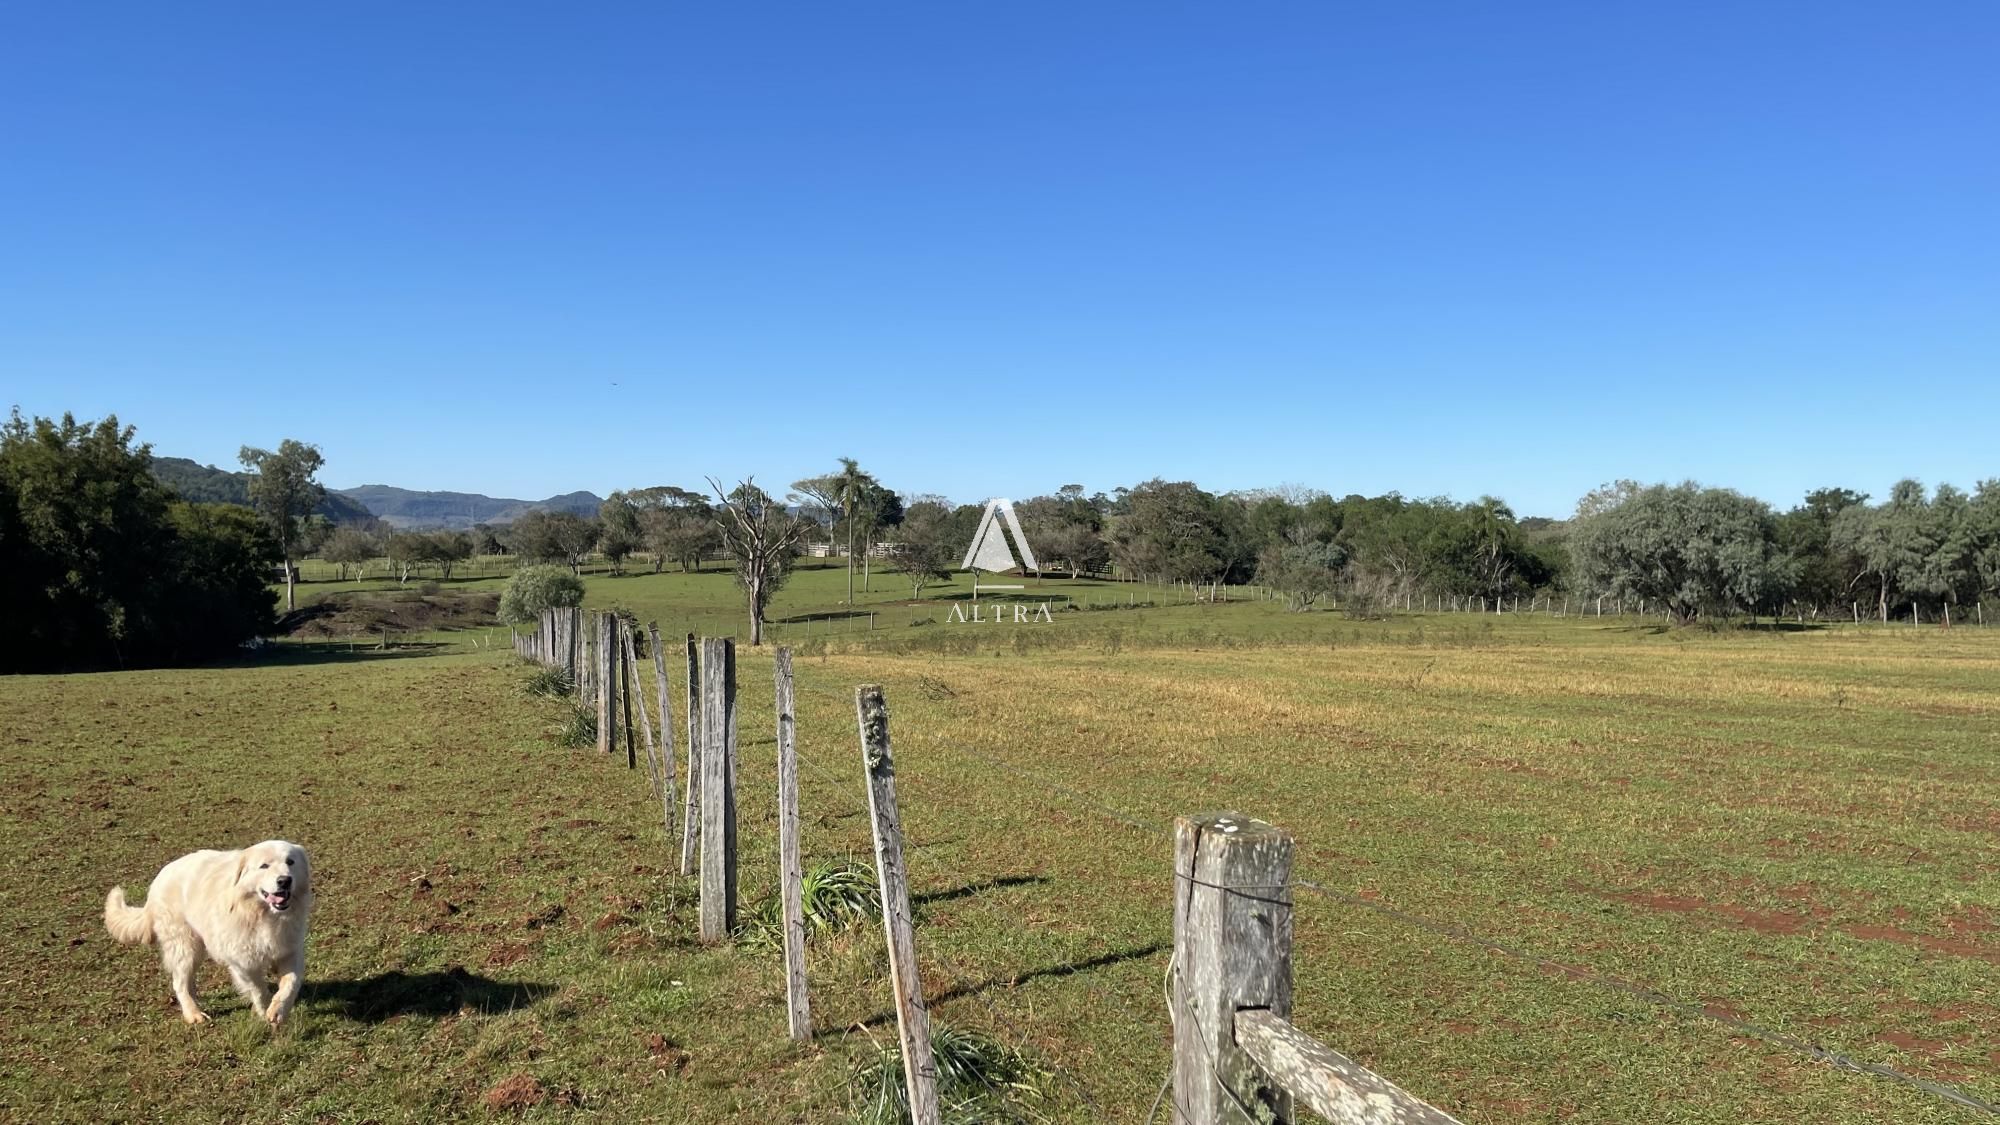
536 588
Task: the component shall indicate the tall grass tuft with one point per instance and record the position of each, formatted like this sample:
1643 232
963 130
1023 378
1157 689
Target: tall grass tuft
555 682
835 895
980 1081
577 729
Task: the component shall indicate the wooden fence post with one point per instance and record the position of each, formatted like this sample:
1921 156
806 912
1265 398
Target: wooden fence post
668 798
913 1019
572 639
638 701
798 1004
607 682
718 789
586 664
691 815
1232 950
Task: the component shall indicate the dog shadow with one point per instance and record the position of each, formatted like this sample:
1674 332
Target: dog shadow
385 996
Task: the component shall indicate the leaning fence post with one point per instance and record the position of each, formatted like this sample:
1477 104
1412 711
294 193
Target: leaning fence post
1232 950
790 876
691 815
668 797
637 700
913 1020
718 785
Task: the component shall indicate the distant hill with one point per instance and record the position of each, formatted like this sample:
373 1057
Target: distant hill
404 508
206 484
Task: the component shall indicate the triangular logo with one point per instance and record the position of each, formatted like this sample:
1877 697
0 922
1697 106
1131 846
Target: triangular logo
990 551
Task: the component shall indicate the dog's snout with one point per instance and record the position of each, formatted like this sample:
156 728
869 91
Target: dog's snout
284 882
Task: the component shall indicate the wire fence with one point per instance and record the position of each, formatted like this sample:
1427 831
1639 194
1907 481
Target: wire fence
850 783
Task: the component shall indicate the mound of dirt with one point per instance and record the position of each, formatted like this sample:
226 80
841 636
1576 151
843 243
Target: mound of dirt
401 611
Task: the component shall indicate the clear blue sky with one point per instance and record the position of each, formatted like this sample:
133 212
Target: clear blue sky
995 248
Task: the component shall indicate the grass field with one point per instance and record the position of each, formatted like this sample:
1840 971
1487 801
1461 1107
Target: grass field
1794 829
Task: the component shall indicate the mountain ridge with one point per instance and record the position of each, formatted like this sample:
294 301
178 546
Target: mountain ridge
404 508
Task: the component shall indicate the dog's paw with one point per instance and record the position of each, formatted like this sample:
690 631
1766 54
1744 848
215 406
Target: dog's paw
195 1017
275 1018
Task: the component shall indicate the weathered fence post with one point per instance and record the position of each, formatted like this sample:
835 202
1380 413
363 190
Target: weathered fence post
609 709
1237 1055
586 665
691 815
913 1020
1232 950
637 696
718 788
572 639
668 798
790 876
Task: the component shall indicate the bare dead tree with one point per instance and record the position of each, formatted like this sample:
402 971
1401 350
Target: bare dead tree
761 538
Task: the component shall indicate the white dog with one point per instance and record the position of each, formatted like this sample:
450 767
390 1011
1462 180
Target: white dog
246 910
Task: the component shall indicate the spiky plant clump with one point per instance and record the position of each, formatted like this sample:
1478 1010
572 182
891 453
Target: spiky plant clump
835 895
577 729
980 1081
555 682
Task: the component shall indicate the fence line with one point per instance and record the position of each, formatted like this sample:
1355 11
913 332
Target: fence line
1278 1050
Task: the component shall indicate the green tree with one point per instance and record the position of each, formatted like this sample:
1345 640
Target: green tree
350 546
619 534
675 524
842 494
1694 550
925 548
406 551
1889 541
283 490
549 536
533 589
1983 529
1302 568
1177 532
1805 534
104 568
879 508
445 549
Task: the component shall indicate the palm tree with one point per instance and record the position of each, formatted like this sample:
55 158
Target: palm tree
850 489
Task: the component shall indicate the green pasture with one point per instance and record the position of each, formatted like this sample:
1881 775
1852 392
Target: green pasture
1790 829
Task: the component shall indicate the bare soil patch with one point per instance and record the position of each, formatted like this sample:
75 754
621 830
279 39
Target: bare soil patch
401 611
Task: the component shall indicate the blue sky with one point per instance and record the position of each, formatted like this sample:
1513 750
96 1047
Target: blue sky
992 249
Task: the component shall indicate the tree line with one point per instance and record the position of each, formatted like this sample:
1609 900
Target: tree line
1684 550
107 565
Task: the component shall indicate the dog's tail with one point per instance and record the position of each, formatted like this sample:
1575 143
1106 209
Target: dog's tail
129 925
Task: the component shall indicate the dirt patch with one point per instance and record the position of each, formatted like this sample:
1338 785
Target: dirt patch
1925 941
508 953
1762 921
519 1092
1904 1041
399 611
